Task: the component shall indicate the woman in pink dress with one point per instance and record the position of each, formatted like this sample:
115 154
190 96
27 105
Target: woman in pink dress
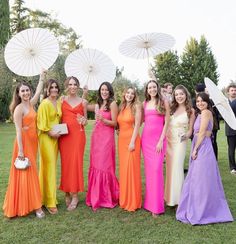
103 189
156 119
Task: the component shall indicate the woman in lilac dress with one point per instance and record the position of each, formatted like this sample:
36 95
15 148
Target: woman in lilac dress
202 199
103 189
156 119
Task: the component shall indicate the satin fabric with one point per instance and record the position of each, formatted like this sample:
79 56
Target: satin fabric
48 116
175 156
103 187
23 193
72 149
129 163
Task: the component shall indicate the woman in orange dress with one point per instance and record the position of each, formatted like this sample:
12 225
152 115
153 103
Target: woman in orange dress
129 120
23 192
74 114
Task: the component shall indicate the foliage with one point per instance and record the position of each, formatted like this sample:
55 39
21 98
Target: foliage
167 68
197 62
109 225
4 22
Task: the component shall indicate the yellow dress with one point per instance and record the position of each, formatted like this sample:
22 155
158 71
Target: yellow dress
48 148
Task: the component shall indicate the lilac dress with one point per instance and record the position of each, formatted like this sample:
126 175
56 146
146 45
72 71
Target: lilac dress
103 188
153 161
202 199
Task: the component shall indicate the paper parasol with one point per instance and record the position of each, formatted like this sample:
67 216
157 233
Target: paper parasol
30 51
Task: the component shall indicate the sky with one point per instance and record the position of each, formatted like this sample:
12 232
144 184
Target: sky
104 24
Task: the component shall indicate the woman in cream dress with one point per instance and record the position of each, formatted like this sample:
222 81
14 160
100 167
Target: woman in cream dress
180 129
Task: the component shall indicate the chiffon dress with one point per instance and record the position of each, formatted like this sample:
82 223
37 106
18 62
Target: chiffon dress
23 193
129 163
103 187
48 116
202 199
175 156
153 161
72 149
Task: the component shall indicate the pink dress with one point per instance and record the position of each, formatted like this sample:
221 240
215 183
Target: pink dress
153 161
103 188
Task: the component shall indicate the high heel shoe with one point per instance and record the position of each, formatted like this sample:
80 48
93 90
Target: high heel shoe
40 214
73 205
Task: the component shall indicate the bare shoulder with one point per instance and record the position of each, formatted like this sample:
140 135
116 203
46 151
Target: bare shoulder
113 105
18 112
85 102
206 113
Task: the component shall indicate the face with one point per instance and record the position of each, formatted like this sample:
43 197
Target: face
232 93
169 89
129 95
53 91
180 96
104 92
201 105
72 87
152 89
24 93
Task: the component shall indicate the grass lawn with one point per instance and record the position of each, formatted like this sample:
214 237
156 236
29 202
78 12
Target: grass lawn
109 225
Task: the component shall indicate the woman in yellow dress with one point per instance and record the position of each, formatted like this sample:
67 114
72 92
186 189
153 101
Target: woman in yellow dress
49 114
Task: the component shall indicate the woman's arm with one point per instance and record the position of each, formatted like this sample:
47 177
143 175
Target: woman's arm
114 113
190 125
137 119
206 116
18 116
39 88
165 128
90 107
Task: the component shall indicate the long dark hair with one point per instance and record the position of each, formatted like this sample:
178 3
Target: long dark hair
187 103
135 101
49 86
111 96
159 100
16 100
205 97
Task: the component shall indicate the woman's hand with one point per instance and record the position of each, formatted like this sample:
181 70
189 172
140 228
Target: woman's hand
98 116
131 146
81 120
54 135
159 146
21 156
194 154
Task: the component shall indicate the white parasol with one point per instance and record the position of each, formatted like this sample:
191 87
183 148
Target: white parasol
91 67
30 51
221 103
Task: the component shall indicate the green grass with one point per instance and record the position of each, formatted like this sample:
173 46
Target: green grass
109 225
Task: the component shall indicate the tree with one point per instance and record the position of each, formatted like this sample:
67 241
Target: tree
4 22
197 62
167 68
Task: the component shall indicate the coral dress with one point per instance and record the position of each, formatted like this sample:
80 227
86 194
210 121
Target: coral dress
23 192
175 155
153 161
48 147
103 187
129 163
72 149
202 199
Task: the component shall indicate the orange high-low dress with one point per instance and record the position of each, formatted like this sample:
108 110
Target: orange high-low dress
23 192
129 163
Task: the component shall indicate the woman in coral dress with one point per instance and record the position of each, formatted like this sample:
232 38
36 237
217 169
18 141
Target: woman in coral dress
103 188
156 119
179 130
129 147
23 192
74 114
202 198
49 114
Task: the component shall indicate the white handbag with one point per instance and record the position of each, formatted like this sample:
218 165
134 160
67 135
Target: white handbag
22 164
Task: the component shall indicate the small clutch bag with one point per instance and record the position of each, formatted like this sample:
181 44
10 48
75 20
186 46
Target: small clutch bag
22 164
61 128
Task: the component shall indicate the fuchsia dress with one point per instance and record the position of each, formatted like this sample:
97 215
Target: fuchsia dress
103 188
153 161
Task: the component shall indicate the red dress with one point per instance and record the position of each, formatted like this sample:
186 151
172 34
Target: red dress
72 149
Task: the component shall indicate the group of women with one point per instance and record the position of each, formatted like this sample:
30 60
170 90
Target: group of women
200 198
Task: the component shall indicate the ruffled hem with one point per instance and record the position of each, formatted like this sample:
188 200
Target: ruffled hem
103 189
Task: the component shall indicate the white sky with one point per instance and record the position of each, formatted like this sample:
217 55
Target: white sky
104 24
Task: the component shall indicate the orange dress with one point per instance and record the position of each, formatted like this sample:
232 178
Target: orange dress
72 149
23 192
129 163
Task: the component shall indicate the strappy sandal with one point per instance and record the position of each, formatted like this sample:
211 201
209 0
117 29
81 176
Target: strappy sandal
73 205
52 210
